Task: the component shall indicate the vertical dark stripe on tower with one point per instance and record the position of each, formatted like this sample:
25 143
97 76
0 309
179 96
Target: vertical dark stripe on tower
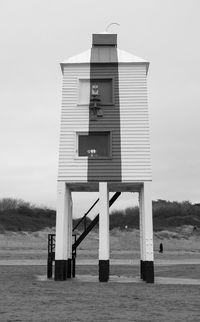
104 63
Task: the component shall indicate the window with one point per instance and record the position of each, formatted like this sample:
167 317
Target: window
94 144
105 90
105 86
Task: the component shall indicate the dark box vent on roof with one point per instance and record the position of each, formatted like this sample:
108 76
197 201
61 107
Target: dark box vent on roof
104 40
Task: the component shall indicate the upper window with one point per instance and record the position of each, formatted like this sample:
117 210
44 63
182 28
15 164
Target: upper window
94 144
105 88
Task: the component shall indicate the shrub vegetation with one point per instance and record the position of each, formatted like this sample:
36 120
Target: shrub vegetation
18 215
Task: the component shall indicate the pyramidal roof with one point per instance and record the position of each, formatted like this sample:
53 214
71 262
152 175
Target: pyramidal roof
104 50
105 55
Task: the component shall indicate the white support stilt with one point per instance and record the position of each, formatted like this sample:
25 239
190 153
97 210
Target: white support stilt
62 231
146 233
141 235
104 242
69 266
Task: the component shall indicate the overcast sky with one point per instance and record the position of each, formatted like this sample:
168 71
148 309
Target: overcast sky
35 35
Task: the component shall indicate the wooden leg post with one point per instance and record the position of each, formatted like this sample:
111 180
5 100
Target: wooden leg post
73 266
62 232
104 244
49 267
141 237
146 234
69 264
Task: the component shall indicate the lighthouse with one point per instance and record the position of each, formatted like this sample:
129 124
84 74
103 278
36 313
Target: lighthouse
104 146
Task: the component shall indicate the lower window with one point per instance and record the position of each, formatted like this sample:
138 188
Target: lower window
94 144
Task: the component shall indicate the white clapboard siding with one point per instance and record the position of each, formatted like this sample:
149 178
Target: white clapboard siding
134 126
134 123
73 118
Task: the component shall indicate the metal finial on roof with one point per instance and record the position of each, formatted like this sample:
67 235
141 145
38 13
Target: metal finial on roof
110 24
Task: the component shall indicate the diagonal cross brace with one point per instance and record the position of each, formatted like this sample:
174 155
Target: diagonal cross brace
93 223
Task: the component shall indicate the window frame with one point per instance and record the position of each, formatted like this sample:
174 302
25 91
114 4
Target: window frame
80 132
79 79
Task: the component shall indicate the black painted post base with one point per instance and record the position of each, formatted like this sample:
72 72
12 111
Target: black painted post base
69 268
142 270
60 270
147 271
73 266
104 269
49 267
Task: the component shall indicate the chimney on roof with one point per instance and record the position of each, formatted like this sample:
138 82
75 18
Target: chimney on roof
104 39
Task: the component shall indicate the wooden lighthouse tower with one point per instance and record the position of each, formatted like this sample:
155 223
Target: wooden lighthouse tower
104 145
